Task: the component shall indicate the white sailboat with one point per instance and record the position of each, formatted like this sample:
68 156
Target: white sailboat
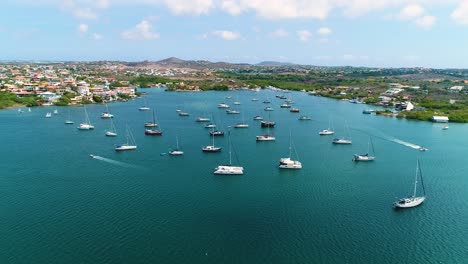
69 121
29 109
176 151
130 144
86 125
106 114
288 163
242 124
48 115
112 132
151 123
144 107
211 148
229 169
414 200
329 130
367 156
343 140
266 137
55 112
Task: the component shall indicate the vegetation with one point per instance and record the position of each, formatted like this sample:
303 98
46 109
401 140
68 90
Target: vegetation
145 81
8 99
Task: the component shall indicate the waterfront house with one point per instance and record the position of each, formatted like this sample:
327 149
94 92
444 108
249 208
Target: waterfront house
440 119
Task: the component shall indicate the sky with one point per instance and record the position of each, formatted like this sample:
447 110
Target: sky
370 33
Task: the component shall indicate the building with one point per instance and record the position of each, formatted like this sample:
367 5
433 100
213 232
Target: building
440 119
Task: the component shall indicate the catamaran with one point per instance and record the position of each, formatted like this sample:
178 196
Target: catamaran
288 163
86 125
130 144
414 200
229 169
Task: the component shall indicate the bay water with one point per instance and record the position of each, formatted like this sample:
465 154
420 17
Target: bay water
59 205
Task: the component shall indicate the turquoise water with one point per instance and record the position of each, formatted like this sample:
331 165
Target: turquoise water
58 205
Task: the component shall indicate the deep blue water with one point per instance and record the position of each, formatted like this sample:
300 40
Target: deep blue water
58 205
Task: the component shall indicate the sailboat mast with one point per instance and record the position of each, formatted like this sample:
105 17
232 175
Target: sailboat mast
229 142
422 182
416 178
290 144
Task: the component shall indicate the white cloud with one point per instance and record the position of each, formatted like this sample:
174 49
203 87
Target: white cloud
97 36
83 28
226 34
426 22
143 30
304 35
231 7
460 14
77 11
349 57
411 12
103 4
189 7
324 31
279 33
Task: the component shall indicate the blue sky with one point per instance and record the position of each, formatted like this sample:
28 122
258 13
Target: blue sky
377 33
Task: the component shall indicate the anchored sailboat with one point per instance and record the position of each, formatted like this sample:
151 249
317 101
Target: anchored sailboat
151 123
211 148
229 169
130 144
343 140
414 200
112 132
86 125
366 157
176 151
288 163
106 114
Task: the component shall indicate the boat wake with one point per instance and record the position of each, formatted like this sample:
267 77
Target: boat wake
115 162
411 145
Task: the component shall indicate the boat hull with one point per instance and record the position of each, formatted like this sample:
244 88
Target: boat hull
342 141
265 138
176 152
409 202
363 158
209 149
125 147
229 170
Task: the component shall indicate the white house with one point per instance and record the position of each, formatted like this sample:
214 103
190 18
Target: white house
440 119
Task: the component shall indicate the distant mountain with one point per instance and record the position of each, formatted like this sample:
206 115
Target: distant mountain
171 60
275 63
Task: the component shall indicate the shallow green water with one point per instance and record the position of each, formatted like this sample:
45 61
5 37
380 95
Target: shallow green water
58 205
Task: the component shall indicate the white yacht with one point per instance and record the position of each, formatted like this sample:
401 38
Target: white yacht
176 151
129 145
414 200
86 125
229 169
223 105
341 141
326 132
288 163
